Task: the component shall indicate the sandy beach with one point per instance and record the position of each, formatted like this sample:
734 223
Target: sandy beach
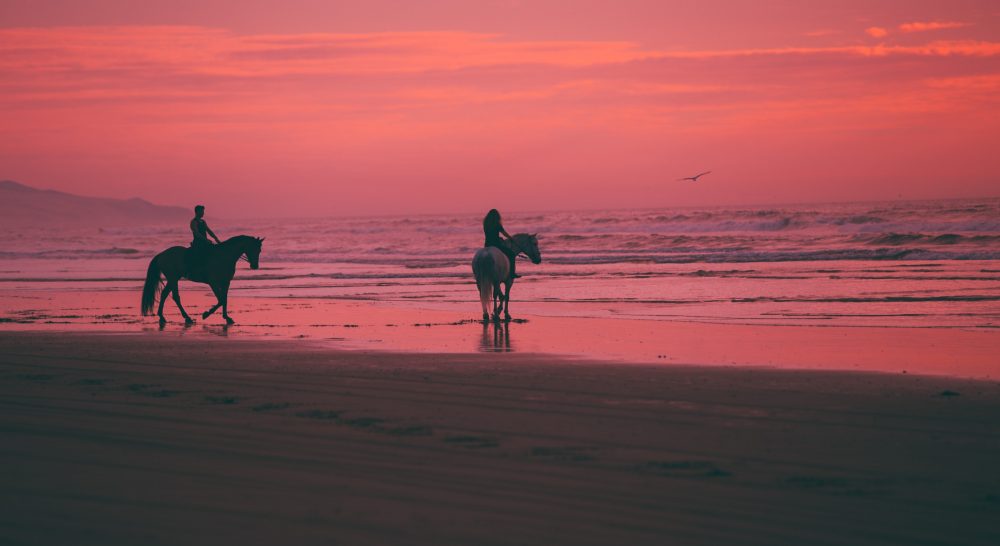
144 438
499 273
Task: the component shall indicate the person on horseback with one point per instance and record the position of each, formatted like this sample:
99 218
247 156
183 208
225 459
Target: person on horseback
201 247
493 227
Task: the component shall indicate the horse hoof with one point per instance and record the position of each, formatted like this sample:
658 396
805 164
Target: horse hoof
229 321
188 321
162 321
204 315
507 318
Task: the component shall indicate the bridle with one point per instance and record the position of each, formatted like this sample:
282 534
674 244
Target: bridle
516 246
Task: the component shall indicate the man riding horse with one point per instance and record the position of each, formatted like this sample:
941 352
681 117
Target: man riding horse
201 247
203 262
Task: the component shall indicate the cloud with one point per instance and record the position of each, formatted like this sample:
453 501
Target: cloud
942 48
88 55
930 25
208 50
877 32
400 84
179 103
201 76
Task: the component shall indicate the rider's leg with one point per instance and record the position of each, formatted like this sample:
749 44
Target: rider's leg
512 258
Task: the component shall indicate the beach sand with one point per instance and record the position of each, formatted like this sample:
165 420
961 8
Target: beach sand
390 326
146 439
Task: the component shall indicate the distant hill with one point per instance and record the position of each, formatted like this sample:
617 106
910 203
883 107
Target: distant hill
25 206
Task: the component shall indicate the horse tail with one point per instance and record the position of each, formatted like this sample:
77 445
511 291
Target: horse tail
152 287
484 267
486 290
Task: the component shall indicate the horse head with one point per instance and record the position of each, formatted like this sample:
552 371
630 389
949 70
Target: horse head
528 244
252 251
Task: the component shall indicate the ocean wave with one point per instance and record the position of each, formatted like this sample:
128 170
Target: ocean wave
883 299
860 219
749 256
75 253
943 230
942 239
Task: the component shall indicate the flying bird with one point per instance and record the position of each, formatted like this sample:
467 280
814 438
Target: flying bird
695 177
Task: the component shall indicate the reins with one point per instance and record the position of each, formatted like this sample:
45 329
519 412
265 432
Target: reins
517 247
242 256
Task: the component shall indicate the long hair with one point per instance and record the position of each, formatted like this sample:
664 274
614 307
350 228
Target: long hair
492 215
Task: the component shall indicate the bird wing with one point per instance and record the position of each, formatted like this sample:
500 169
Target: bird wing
695 177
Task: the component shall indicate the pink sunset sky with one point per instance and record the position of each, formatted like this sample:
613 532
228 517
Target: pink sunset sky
263 107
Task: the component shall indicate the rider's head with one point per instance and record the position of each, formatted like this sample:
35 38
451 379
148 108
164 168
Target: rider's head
494 214
199 211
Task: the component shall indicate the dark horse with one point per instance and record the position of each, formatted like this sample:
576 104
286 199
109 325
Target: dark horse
217 272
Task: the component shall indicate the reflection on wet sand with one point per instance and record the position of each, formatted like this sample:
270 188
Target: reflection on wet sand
221 330
496 338
364 325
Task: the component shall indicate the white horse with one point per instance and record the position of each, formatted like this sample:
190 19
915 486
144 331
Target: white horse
492 268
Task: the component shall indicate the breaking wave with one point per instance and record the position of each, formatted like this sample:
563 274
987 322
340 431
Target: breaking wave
943 230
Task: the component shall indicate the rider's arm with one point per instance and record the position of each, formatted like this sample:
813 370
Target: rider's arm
209 231
504 231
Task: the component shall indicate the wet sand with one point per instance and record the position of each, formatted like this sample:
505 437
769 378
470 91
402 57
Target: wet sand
389 326
150 439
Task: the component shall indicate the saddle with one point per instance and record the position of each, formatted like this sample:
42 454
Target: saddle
196 261
502 244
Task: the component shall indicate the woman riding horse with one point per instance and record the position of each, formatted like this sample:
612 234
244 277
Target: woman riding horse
493 227
491 267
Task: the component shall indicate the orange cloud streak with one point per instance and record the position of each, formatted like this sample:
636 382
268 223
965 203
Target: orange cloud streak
877 32
194 103
930 25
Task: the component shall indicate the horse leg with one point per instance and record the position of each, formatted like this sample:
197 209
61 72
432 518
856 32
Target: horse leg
497 302
225 304
177 299
506 300
208 313
163 299
484 298
218 302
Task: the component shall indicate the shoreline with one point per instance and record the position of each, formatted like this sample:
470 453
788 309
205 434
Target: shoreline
359 325
118 439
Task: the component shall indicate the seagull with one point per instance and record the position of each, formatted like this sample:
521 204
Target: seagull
695 177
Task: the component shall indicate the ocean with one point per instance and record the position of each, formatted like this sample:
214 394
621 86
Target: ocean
928 263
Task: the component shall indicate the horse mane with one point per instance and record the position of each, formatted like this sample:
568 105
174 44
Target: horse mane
237 239
521 240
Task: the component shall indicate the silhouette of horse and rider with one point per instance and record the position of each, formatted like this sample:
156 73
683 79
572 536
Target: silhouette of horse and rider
215 265
204 262
494 264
